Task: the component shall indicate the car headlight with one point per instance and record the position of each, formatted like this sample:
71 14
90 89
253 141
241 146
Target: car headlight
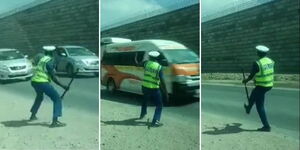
79 63
29 65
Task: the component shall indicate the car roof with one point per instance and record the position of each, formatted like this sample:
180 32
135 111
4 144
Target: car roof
70 46
7 49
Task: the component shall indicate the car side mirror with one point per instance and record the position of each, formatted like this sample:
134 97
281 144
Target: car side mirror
63 54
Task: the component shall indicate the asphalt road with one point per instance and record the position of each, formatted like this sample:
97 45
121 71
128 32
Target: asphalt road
83 93
282 106
187 108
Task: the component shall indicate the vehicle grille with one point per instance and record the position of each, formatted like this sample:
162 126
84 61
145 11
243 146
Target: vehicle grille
17 67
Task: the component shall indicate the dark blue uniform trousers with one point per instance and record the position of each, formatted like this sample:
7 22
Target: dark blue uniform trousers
258 97
155 96
47 88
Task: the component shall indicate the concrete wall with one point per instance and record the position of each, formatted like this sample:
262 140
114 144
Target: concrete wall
180 25
60 22
228 42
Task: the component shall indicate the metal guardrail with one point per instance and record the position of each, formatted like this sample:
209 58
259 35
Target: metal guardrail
24 7
232 8
175 5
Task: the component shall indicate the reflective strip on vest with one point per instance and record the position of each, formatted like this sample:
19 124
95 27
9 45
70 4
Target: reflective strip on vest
151 75
40 74
265 76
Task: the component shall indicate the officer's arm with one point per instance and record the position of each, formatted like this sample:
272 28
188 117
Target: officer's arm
50 69
254 70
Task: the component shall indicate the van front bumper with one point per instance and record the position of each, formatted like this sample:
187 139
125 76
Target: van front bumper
186 89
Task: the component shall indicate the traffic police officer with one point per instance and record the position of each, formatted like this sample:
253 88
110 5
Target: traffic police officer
40 81
152 82
263 73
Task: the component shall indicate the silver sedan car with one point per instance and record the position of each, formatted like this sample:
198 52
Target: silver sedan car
70 59
14 65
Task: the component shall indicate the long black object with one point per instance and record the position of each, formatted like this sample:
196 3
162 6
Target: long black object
73 76
246 89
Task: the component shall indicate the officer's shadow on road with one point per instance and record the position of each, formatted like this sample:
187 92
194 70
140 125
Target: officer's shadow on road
23 123
126 122
228 129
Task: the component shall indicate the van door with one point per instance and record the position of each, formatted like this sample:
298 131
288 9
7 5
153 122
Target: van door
131 66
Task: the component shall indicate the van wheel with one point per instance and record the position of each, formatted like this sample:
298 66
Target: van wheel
111 86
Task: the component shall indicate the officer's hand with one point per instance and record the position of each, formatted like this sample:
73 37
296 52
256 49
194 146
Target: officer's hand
244 81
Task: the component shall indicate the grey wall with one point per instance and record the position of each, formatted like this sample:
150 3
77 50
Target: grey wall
228 42
181 25
60 22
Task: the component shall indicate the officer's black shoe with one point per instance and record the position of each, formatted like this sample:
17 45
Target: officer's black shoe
56 124
142 116
247 108
156 124
32 118
264 129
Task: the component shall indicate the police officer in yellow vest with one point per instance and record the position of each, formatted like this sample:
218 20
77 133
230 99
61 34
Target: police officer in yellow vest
40 81
152 82
263 74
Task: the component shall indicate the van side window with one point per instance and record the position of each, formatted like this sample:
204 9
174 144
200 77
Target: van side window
124 58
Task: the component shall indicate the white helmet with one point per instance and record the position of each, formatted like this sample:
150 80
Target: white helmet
262 48
154 54
49 48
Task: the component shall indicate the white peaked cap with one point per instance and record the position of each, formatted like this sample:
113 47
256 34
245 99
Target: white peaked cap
154 53
262 48
49 48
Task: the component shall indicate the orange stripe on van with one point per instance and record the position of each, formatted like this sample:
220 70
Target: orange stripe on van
185 69
113 72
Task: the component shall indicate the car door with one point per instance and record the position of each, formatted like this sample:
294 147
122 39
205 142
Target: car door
61 59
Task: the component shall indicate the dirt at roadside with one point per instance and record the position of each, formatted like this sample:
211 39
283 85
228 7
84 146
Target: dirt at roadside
223 133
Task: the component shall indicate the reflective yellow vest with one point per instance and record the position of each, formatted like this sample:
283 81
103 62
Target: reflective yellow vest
265 76
40 74
151 75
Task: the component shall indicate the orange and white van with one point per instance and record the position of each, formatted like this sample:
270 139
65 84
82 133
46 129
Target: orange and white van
122 69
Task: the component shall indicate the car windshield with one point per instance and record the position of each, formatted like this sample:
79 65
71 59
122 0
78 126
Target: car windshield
10 55
79 52
181 56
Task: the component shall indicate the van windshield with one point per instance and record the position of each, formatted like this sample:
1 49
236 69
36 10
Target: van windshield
181 56
79 52
10 55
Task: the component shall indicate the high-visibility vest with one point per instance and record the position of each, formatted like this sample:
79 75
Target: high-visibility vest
265 76
151 75
41 73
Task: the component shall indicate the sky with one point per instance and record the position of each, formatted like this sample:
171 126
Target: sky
112 10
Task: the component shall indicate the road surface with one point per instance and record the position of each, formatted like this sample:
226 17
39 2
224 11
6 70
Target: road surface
80 112
282 107
83 93
121 128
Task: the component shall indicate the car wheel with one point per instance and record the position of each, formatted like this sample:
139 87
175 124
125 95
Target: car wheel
70 70
111 86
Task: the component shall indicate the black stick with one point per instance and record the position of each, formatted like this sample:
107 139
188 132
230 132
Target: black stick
246 89
73 76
